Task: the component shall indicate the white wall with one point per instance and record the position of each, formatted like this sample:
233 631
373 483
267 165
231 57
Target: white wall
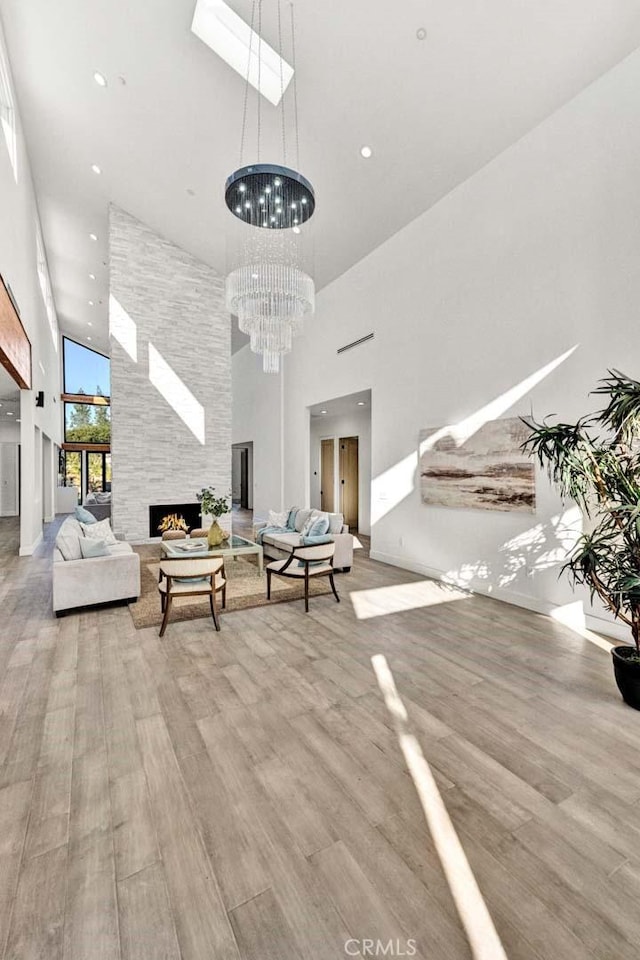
18 224
356 424
535 254
257 419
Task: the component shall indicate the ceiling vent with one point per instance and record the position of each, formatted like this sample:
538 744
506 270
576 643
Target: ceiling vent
356 343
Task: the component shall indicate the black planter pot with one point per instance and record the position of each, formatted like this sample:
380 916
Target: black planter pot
627 673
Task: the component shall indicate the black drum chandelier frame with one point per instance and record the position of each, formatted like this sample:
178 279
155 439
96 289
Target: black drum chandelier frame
268 291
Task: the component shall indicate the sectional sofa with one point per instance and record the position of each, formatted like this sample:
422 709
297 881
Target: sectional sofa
277 546
83 583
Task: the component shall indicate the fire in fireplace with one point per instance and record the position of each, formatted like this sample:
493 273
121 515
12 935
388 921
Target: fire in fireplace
189 512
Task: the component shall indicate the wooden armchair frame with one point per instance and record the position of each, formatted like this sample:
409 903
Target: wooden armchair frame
309 555
212 580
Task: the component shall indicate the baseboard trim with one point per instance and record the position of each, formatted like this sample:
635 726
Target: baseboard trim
614 631
27 551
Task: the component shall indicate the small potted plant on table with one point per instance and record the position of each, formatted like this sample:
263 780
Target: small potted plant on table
215 507
596 462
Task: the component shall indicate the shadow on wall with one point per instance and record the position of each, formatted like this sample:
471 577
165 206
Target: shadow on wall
398 482
540 547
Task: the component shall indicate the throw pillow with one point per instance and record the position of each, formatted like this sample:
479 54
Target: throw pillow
92 548
291 522
101 530
316 526
278 519
336 522
68 539
84 516
301 518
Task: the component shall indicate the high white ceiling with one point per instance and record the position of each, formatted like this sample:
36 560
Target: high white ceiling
433 110
353 403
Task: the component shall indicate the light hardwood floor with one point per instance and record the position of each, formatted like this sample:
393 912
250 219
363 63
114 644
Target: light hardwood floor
242 795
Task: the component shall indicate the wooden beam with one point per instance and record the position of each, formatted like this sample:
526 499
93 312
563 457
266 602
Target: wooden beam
15 346
85 398
89 447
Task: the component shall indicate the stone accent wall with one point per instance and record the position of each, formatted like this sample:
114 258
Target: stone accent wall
170 375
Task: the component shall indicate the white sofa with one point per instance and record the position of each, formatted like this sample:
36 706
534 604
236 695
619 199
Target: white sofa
277 546
83 583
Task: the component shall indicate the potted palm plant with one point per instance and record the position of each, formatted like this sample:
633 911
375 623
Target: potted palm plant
215 507
596 462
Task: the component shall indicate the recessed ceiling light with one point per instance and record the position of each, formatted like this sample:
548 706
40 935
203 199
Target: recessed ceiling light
92 236
323 411
366 152
96 168
92 276
361 403
89 324
18 420
421 33
9 414
88 338
90 303
100 79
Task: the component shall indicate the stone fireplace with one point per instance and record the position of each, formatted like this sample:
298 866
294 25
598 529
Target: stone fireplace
170 379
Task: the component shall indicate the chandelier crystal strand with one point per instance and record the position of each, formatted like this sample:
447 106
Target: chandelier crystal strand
267 288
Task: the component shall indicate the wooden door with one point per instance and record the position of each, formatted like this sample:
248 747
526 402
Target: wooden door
349 481
327 483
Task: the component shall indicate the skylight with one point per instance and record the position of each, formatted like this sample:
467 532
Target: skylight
217 25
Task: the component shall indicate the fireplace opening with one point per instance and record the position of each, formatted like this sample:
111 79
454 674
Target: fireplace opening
189 512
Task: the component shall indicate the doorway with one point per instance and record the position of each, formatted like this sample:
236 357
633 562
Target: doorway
348 466
9 479
327 458
242 475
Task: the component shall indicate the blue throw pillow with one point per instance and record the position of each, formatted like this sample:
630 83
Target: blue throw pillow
84 516
291 519
90 548
318 528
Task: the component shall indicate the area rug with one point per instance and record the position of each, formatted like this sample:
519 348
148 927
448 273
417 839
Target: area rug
245 588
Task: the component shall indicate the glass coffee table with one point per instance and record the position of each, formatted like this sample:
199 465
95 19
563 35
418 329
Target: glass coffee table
233 547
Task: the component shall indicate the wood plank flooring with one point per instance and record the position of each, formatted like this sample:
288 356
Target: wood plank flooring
242 795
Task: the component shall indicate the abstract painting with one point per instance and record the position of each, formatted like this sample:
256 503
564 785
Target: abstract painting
486 471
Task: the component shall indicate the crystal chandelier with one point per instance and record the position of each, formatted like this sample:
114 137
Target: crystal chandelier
267 289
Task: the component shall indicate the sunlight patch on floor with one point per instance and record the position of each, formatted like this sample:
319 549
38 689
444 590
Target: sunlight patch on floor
381 601
572 616
476 920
